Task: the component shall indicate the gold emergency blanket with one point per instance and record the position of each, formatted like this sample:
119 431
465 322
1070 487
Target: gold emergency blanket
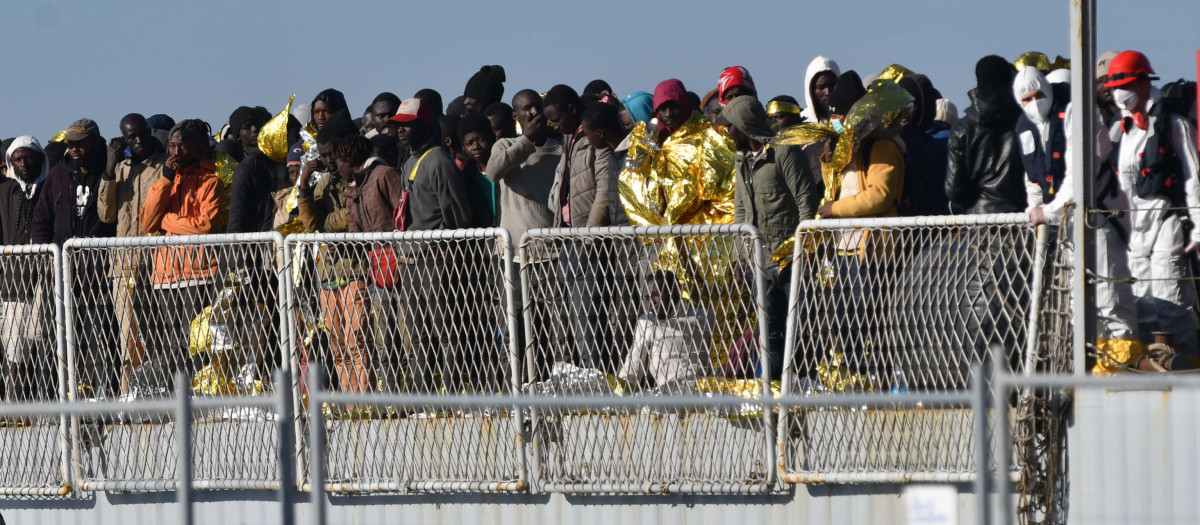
876 111
688 179
272 138
233 331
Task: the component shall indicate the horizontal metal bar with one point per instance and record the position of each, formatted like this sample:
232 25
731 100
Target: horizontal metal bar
28 249
683 229
143 406
657 487
421 486
163 485
426 235
817 478
168 240
35 491
86 408
433 400
1120 382
932 221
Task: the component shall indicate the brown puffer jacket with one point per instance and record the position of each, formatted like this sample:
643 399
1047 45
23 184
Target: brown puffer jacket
587 188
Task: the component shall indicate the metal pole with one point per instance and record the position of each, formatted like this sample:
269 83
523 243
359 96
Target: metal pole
1002 441
284 418
67 331
316 447
764 328
979 396
1083 164
183 448
63 366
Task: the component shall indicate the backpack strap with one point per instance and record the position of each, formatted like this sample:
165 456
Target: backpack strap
413 176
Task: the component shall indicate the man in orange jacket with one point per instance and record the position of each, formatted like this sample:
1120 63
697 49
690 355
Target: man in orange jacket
184 201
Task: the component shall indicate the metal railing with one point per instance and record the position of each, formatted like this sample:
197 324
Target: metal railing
34 452
633 315
899 305
658 312
142 310
426 312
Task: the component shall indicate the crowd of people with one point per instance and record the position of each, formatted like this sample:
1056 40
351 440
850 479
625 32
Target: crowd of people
885 145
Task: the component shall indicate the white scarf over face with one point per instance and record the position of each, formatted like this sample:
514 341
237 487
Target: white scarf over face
1030 79
27 141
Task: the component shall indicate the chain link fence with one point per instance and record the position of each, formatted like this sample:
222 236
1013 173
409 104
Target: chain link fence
140 311
666 311
898 305
418 312
33 453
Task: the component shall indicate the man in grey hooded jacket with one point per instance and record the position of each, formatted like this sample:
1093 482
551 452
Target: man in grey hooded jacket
775 190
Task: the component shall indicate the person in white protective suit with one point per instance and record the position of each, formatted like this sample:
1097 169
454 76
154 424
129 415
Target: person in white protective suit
1044 135
1154 156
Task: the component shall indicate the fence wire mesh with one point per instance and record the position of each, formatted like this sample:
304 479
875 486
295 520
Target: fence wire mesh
139 311
32 453
646 312
1039 430
421 312
895 306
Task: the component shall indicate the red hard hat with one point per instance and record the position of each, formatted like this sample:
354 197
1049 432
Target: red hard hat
1127 67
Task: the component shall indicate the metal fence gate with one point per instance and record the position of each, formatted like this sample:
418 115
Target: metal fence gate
34 453
899 305
660 311
419 312
141 310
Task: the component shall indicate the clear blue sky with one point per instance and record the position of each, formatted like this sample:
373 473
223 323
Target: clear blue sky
68 59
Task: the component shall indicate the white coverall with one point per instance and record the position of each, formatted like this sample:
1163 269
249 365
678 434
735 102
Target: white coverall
1117 313
1157 240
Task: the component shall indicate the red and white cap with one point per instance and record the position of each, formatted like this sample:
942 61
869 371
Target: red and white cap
413 109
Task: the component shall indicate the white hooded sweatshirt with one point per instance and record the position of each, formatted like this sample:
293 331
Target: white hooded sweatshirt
1030 79
26 141
816 67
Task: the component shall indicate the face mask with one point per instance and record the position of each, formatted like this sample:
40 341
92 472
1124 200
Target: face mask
837 126
1124 99
1037 110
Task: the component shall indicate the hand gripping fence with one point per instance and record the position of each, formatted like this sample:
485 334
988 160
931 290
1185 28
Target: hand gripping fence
418 312
648 313
898 305
141 310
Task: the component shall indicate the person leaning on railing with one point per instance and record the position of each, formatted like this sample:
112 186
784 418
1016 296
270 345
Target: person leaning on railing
123 189
21 287
775 190
185 200
870 185
336 204
66 209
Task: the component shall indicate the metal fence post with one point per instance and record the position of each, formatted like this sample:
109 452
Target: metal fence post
1002 440
1032 333
289 333
1083 60
284 419
62 366
316 447
183 448
979 396
789 356
64 291
760 309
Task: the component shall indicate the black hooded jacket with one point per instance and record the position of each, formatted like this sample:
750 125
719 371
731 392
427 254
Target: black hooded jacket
984 173
56 217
